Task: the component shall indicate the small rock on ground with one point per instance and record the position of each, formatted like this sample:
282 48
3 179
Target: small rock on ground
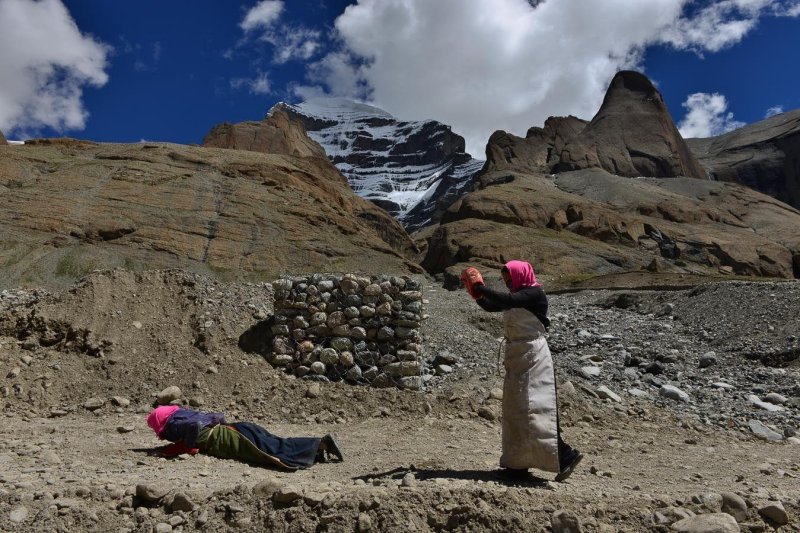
707 523
563 521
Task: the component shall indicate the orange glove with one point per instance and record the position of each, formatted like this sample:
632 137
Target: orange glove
471 277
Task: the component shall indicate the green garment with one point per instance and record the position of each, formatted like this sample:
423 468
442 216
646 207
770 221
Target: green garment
227 443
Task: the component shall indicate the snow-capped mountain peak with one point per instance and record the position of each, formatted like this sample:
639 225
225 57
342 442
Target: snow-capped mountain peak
413 169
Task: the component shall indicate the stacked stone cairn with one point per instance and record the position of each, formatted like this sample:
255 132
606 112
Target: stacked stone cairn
363 330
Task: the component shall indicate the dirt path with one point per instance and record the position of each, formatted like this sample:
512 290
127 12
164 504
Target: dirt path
73 472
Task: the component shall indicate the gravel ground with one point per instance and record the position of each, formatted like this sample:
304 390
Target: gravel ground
415 461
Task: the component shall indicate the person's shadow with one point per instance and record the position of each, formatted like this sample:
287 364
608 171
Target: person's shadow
422 474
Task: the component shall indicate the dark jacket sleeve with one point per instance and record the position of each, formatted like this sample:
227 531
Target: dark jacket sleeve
533 299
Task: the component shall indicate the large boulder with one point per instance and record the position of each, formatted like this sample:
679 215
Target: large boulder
764 156
631 135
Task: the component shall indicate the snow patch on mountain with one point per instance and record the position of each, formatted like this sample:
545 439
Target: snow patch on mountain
410 168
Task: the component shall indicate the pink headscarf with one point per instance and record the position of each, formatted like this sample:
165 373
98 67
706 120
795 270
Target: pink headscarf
158 417
522 275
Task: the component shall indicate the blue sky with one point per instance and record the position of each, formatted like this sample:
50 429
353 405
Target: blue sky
125 71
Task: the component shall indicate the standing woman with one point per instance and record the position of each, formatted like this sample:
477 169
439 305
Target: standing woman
531 432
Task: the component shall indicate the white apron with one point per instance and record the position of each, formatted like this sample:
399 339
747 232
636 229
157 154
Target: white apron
530 434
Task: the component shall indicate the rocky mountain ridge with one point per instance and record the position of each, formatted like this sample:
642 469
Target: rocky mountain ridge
528 203
70 207
764 156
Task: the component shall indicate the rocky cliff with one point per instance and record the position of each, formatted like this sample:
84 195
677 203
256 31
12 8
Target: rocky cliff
276 134
528 203
414 170
2 139
631 135
765 156
69 207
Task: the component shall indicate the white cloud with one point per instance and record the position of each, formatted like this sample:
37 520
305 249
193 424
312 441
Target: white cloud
45 63
258 85
263 15
292 42
717 25
774 110
707 115
289 41
509 64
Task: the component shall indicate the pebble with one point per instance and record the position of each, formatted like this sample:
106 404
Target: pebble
774 397
606 393
589 372
93 404
287 494
169 394
708 359
313 390
563 521
496 394
181 502
487 413
763 432
723 385
707 523
755 400
151 492
267 488
674 393
409 480
125 429
162 527
364 523
119 401
774 512
18 515
734 505
444 369
638 393
50 457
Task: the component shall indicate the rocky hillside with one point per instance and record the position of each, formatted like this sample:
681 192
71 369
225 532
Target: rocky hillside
414 170
529 202
2 139
764 156
70 207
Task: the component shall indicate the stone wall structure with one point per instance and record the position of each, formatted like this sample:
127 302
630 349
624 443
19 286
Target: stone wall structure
360 329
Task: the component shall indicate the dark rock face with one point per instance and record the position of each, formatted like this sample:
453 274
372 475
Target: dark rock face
538 151
3 138
631 135
413 170
764 156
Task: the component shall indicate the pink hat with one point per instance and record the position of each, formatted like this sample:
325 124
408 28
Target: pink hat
158 417
522 275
